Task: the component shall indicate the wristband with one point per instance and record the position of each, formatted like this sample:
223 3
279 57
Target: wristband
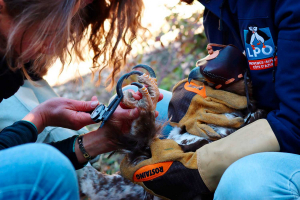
82 149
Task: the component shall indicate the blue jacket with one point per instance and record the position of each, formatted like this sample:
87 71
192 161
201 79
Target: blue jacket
259 27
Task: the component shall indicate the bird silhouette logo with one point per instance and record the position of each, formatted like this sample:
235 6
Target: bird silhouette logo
254 34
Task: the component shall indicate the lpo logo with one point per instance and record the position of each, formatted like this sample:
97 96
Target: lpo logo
254 52
259 43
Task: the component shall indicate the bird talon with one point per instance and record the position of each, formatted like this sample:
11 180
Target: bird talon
147 85
137 84
127 98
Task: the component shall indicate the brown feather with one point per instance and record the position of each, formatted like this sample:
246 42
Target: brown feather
239 88
137 142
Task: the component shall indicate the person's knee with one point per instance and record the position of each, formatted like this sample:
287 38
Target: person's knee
44 169
46 153
240 180
57 170
49 161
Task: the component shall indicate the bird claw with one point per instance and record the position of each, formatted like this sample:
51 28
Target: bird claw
147 86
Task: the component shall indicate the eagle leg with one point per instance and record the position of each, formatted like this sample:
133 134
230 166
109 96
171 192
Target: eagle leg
147 86
150 91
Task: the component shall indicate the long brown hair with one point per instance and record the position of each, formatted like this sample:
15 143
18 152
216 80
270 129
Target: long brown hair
40 16
113 27
110 26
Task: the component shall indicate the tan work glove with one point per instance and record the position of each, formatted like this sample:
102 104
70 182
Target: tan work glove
194 106
169 173
214 158
173 174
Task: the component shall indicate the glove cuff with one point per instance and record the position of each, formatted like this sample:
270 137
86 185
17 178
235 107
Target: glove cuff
214 158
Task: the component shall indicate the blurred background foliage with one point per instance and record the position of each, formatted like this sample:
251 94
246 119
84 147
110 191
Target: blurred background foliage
172 51
176 47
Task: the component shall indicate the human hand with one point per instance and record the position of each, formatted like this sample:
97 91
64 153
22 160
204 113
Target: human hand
96 142
123 116
120 120
62 112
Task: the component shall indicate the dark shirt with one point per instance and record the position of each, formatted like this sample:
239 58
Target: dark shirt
22 132
10 81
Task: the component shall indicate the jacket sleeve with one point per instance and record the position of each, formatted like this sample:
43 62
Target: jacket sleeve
285 121
21 132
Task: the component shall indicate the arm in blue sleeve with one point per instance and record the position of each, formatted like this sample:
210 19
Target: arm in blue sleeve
21 132
285 121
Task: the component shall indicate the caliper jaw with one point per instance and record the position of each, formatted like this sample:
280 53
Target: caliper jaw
102 113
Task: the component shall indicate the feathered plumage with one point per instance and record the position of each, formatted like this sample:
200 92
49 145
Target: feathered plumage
136 143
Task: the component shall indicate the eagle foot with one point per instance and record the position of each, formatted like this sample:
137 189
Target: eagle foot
147 86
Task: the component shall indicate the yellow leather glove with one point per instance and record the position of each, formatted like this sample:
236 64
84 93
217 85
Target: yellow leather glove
194 106
214 158
169 173
173 174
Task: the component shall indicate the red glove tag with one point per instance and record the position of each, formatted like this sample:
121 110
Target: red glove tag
150 172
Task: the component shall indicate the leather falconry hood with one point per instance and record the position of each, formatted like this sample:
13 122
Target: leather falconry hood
221 67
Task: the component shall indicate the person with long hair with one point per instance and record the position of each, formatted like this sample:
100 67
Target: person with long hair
108 28
32 35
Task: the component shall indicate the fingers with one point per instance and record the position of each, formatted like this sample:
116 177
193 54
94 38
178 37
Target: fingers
123 106
139 94
84 106
80 119
67 113
156 113
126 114
161 96
135 95
94 98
